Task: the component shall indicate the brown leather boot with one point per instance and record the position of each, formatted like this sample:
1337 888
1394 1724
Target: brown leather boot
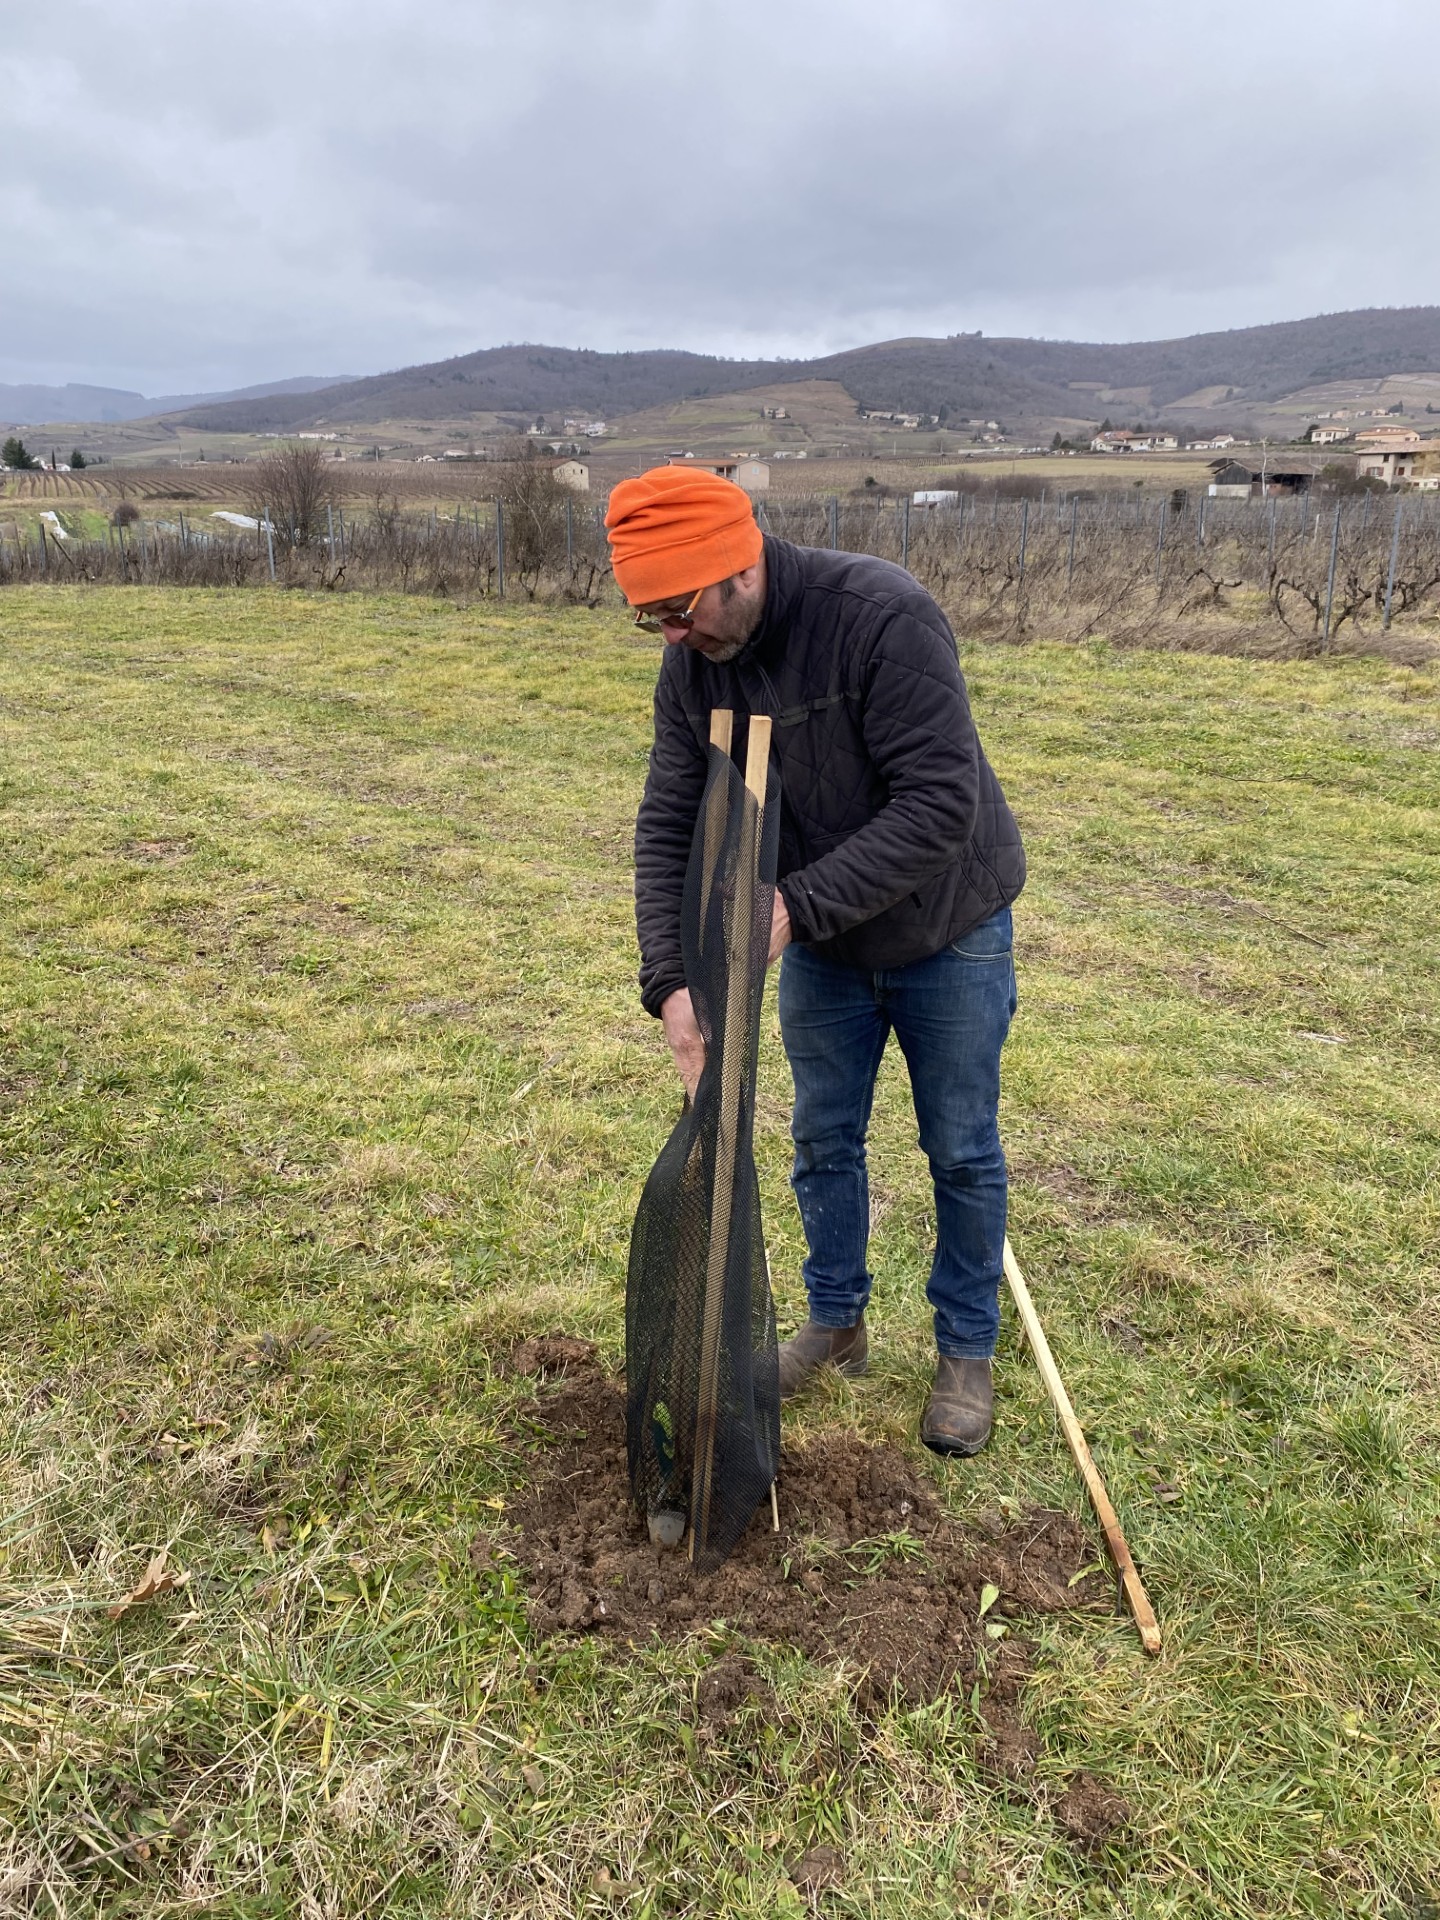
813 1347
959 1412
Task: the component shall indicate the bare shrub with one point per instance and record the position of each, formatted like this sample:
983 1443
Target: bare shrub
535 505
295 485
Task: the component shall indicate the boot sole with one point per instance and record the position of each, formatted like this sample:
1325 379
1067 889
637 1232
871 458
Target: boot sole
955 1449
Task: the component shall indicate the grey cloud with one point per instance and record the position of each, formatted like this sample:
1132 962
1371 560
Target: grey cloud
193 200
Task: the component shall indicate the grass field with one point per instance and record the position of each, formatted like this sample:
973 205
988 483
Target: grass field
323 1080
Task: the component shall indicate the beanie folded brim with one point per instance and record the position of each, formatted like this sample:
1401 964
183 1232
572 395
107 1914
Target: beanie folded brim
673 531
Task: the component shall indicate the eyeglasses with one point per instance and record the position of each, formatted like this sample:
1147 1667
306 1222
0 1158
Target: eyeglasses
653 622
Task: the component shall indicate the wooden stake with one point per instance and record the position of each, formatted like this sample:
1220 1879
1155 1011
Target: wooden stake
1130 1581
732 1059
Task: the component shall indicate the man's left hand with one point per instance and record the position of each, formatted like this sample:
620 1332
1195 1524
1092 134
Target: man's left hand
780 935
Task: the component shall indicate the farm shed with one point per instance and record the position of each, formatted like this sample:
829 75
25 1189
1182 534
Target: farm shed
1230 480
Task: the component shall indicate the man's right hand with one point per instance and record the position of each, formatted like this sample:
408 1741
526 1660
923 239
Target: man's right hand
682 1031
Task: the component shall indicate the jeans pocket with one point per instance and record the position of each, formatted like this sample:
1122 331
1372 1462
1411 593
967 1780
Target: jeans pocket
993 939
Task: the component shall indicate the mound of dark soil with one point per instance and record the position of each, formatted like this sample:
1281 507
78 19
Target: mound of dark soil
866 1569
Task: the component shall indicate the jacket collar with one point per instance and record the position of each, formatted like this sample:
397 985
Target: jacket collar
783 588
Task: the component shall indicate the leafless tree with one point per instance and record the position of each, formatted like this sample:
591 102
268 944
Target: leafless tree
295 485
534 502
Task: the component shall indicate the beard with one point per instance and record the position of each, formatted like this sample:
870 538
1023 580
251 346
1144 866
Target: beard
729 631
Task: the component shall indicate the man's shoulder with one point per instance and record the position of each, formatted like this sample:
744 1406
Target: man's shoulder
860 596
863 577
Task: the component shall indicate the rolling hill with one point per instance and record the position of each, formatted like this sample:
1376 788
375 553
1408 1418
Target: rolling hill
28 406
1238 374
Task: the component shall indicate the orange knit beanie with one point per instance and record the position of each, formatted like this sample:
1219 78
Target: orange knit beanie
674 529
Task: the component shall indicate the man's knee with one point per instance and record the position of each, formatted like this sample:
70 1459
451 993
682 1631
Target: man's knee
828 1153
970 1159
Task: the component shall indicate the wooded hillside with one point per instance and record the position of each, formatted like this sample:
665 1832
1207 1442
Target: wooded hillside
964 375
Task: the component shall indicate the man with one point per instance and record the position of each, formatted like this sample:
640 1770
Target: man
898 863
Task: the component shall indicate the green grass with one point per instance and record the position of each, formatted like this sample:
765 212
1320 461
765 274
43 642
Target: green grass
322 1078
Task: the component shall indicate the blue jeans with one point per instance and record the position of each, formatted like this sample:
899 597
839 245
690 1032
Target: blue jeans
950 1014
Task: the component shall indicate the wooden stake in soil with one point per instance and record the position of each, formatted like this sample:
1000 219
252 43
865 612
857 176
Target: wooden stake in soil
1135 1594
757 763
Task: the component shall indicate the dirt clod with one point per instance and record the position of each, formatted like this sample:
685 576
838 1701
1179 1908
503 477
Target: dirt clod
726 1687
1091 1813
549 1354
867 1571
820 1870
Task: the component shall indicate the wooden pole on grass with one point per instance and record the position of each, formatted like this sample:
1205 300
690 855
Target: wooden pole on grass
732 1060
1134 1587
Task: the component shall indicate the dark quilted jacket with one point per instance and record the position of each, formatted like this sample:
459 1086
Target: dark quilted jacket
895 838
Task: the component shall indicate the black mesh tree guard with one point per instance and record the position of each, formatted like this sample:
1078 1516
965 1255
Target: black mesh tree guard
703 1388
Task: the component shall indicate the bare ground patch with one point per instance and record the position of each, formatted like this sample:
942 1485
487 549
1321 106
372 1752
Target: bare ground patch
867 1572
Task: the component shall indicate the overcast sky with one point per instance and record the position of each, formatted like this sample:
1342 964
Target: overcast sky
200 197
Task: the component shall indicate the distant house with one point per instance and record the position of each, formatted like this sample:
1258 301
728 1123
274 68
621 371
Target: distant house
1377 439
1394 460
725 465
752 475
1115 441
1217 441
935 497
572 473
1327 436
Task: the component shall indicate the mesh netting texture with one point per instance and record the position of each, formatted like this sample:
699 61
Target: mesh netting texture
703 1388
